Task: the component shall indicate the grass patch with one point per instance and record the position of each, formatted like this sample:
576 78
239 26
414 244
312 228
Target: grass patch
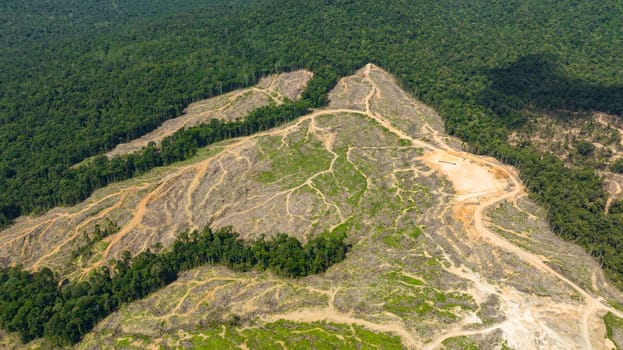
414 298
460 343
349 178
416 232
398 239
392 241
344 227
295 163
123 342
406 305
316 335
614 329
407 279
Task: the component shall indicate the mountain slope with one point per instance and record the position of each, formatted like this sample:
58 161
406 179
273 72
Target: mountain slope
447 249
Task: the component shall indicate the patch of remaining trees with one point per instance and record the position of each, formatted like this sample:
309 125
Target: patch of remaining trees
38 304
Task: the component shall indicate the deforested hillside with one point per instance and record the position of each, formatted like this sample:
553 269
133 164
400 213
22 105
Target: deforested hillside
447 251
140 127
485 67
231 106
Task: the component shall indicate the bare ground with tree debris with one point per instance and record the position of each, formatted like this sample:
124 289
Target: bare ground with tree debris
447 248
230 106
564 133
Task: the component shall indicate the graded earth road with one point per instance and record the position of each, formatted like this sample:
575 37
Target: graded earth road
480 182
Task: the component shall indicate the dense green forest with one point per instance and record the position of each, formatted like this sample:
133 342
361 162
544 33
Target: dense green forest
37 304
77 78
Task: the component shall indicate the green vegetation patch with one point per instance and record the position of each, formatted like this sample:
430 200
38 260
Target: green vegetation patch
413 297
416 232
460 343
614 329
316 335
392 241
397 276
343 228
399 238
349 178
293 164
94 239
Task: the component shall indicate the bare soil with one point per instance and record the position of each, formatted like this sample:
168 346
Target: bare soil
445 243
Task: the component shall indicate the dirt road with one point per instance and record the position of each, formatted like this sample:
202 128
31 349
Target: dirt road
480 183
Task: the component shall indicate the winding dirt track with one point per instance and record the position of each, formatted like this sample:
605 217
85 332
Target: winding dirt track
485 200
601 119
480 183
65 217
476 194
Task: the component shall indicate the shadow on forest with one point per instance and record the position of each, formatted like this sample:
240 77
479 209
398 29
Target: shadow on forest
538 82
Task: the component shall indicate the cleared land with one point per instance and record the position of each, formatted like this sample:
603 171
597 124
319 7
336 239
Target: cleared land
236 104
448 252
561 134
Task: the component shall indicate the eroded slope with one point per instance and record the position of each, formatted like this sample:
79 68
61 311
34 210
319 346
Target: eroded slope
447 249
